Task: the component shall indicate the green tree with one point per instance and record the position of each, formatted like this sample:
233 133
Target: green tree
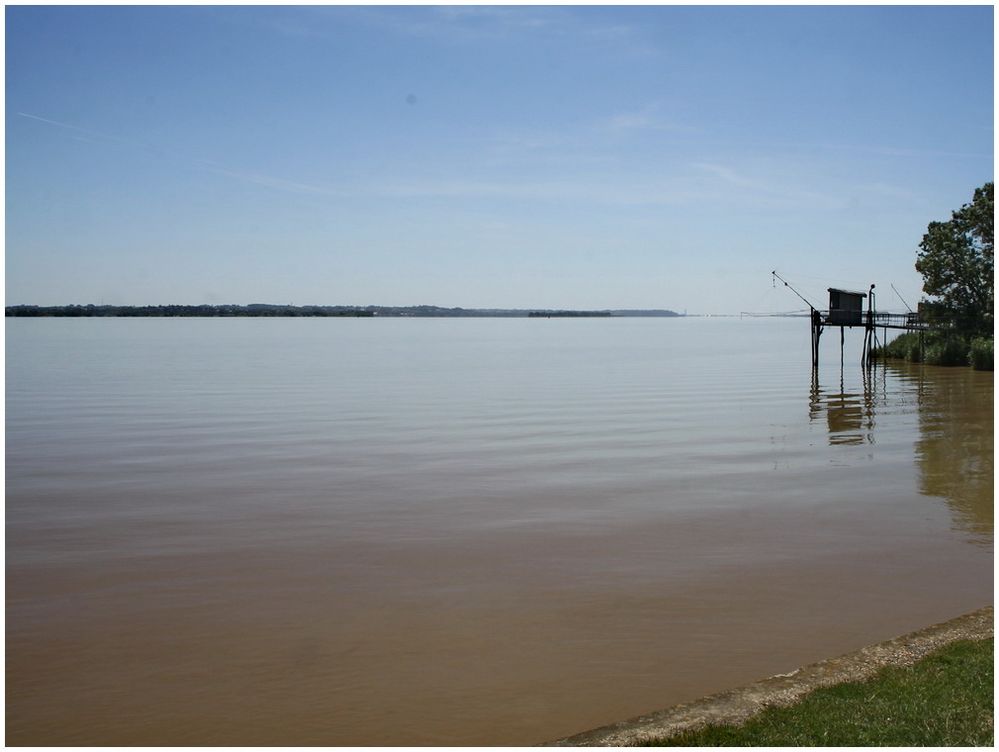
956 261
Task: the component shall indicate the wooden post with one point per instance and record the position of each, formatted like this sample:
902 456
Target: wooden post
811 329
816 321
870 331
815 361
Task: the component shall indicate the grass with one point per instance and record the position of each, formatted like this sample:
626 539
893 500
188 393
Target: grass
943 700
940 349
980 354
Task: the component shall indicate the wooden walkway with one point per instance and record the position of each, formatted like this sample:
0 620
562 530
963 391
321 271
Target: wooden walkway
869 321
910 322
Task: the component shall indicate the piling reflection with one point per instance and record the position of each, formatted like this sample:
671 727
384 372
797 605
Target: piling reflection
849 414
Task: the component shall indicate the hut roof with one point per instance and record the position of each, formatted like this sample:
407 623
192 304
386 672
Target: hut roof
848 292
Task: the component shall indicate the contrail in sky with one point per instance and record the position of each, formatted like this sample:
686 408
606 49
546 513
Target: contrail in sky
70 127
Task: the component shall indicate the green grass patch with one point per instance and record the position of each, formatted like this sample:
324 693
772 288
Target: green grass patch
903 347
940 349
980 354
943 700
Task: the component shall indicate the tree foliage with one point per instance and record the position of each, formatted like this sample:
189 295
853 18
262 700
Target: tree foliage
956 260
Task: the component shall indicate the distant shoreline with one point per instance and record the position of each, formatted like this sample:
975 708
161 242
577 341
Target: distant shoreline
263 309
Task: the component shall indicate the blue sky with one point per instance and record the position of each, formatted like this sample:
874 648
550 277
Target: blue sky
578 157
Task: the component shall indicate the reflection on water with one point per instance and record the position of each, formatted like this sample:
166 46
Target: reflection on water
954 447
849 415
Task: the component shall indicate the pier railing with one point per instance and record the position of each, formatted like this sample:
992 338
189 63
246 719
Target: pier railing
910 321
907 321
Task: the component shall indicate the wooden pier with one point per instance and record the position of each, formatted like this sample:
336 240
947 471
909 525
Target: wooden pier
846 311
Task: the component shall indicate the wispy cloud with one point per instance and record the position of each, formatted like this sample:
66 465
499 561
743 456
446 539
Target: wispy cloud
589 142
887 190
895 151
579 181
593 190
270 181
730 176
769 192
246 176
464 24
597 189
643 121
497 16
629 121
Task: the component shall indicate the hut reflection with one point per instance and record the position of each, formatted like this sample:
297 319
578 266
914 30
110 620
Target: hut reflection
849 414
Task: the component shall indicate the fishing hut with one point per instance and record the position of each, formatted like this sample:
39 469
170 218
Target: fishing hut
846 307
846 310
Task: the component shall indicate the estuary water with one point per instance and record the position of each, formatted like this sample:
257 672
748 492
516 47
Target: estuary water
462 531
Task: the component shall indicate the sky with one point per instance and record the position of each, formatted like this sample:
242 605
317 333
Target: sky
511 156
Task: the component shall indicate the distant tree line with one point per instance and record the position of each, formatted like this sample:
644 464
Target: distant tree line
567 314
181 310
266 309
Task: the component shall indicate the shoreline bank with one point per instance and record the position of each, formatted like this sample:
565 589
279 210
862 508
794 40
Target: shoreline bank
736 706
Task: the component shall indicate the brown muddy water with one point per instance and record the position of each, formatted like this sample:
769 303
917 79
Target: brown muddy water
481 531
